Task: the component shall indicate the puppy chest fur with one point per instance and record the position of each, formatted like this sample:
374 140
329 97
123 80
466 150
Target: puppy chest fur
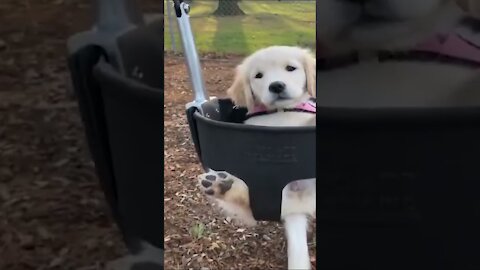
283 119
395 83
397 26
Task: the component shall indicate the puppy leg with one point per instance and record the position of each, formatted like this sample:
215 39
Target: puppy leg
231 194
299 197
296 232
298 202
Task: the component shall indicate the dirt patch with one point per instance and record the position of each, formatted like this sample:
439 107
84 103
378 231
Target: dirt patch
196 234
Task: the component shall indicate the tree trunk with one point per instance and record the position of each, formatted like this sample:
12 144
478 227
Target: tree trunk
228 8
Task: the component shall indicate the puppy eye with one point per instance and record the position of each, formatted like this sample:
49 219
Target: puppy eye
290 68
258 75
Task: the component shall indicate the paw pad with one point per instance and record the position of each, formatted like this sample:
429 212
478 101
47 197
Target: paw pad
216 183
206 183
211 177
225 186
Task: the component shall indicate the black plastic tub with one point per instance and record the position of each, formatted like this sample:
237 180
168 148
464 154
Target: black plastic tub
266 158
117 74
134 127
123 121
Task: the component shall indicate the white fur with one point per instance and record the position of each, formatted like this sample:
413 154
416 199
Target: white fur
248 91
399 78
272 64
283 119
296 231
402 23
414 22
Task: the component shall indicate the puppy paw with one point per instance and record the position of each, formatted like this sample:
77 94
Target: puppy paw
230 192
216 184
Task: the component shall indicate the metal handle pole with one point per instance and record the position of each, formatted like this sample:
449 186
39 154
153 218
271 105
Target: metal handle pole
191 56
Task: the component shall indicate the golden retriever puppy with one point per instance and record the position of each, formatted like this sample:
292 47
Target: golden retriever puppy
278 87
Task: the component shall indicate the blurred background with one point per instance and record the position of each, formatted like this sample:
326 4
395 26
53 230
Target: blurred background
53 213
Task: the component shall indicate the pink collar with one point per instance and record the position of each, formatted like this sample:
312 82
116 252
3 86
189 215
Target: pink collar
452 45
309 106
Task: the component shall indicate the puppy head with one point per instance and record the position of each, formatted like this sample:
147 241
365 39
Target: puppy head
382 24
277 77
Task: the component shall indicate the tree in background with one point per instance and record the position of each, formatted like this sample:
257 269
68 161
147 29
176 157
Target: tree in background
228 8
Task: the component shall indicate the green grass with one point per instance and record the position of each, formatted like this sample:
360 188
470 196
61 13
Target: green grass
266 23
197 231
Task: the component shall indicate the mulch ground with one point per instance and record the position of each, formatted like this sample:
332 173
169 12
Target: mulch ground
220 244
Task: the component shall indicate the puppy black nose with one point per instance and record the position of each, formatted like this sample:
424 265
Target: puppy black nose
276 87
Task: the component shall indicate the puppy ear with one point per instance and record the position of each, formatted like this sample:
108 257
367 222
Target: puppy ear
310 66
240 92
472 7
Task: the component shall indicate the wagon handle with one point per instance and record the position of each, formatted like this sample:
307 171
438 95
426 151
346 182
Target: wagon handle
191 56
